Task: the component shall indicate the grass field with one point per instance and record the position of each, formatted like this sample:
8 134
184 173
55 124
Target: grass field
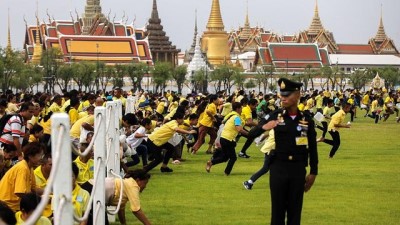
360 186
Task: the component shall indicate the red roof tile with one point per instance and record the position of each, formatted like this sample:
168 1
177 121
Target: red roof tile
308 52
354 49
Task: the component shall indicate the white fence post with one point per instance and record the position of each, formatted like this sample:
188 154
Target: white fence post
100 153
118 119
111 113
62 184
130 105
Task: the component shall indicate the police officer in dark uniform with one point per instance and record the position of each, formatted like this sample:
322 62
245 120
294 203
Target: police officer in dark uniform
296 145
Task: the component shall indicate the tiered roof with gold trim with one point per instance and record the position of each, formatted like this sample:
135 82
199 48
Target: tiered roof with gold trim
106 40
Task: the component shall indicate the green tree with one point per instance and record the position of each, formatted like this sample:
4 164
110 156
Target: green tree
239 80
65 74
136 72
326 72
308 76
12 64
84 75
161 74
264 74
179 76
250 84
120 71
359 78
216 79
108 73
198 78
51 60
391 76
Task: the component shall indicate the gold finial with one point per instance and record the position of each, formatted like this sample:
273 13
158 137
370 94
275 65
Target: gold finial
215 22
283 85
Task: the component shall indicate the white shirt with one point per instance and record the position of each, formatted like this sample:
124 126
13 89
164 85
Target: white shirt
134 142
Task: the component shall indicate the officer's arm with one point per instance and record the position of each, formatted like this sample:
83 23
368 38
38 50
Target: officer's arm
312 148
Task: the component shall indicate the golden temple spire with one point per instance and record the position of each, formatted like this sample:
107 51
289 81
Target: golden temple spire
316 25
215 22
9 48
37 50
246 31
381 34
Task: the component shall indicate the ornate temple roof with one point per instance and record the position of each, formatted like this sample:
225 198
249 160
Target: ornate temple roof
106 41
158 40
354 49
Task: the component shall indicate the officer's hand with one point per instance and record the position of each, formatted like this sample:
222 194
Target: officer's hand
270 125
309 182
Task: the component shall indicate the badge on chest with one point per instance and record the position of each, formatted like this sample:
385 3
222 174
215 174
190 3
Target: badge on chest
302 127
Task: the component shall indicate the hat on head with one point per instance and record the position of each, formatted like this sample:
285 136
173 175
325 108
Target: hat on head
287 86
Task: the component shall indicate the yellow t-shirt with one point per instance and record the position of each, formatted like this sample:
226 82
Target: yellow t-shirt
46 126
80 200
11 108
83 105
41 182
130 193
229 131
164 133
160 107
207 120
309 104
34 120
73 115
226 109
246 113
32 138
269 144
337 118
374 105
55 108
19 179
122 99
75 131
319 101
86 170
365 99
41 221
350 101
66 103
301 107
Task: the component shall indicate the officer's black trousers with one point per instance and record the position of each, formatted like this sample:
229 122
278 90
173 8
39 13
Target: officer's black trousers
287 181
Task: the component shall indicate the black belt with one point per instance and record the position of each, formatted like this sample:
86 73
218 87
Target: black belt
290 157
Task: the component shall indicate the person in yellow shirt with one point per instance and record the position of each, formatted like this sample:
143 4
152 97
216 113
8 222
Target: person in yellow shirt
334 126
207 125
72 110
389 107
365 103
42 173
375 109
118 96
247 117
80 197
20 179
328 111
233 126
28 204
319 101
267 149
36 133
12 106
86 123
160 109
352 111
302 104
134 183
158 140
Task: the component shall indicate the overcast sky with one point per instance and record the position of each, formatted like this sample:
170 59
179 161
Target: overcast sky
351 21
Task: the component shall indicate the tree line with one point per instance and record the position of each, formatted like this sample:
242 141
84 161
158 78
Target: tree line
91 76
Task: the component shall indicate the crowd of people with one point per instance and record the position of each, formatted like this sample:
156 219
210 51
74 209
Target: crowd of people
162 126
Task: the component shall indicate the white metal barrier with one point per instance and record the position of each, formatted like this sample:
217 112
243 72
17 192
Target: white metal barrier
106 155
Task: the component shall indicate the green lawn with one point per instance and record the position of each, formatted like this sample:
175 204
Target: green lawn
361 185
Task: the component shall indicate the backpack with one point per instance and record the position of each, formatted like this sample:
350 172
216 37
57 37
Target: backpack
4 120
